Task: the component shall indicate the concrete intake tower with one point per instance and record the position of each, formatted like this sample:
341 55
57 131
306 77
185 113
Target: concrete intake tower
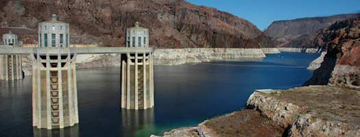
137 90
10 65
54 93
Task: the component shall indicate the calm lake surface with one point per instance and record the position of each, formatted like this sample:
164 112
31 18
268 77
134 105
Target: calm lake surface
184 96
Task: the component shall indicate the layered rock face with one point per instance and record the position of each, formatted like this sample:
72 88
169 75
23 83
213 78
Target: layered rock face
341 65
286 31
172 23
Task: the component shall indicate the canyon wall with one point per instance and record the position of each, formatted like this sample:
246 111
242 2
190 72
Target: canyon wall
341 65
288 30
172 23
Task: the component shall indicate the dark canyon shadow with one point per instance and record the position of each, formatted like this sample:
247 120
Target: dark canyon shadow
322 75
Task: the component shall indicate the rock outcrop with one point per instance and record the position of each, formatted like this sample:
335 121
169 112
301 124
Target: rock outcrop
181 132
172 23
317 62
311 111
341 65
299 112
288 30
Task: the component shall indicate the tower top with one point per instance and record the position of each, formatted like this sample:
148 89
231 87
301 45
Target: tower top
136 24
54 17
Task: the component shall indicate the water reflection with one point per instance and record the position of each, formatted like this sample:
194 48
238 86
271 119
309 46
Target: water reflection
141 121
133 123
12 88
66 132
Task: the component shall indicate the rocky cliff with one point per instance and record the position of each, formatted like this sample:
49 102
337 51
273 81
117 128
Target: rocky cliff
341 65
288 30
173 23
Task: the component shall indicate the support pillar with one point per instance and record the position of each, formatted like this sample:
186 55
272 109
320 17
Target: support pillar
1 67
136 83
144 81
151 79
128 81
6 67
123 79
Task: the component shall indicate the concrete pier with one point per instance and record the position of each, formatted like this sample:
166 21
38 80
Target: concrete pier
137 90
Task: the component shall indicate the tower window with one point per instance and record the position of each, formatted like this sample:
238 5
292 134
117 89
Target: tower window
45 40
67 40
53 27
53 40
144 40
139 41
40 43
133 41
61 39
60 27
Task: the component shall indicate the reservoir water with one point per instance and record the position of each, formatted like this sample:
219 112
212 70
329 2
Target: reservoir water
185 95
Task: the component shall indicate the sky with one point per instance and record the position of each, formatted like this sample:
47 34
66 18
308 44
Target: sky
263 12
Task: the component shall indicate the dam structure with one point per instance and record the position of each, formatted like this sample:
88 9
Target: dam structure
10 65
137 90
54 87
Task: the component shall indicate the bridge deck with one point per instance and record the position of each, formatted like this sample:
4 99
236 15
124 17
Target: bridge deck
93 50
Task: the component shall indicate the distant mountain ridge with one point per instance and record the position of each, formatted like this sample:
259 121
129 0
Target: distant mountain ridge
286 31
172 23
